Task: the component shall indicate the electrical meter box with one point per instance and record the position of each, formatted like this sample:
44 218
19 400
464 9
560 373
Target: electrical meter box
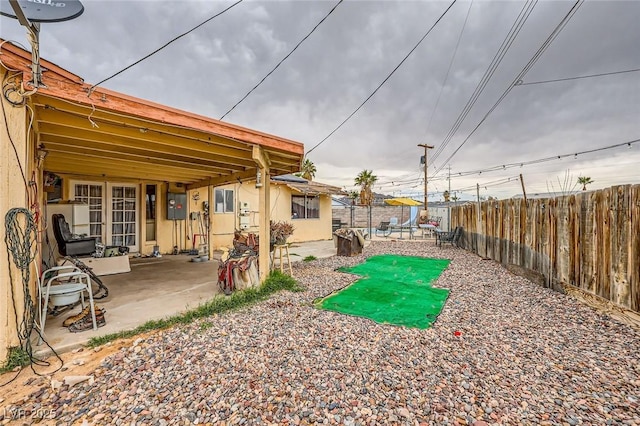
176 206
244 209
244 223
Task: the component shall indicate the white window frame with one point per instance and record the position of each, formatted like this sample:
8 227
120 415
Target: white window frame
228 206
306 199
107 211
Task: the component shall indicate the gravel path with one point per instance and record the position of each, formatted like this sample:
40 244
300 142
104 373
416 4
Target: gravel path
526 355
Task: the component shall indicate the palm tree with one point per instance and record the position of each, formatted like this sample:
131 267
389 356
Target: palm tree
308 170
354 196
365 180
584 181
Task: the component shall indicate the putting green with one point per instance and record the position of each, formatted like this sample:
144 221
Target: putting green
393 290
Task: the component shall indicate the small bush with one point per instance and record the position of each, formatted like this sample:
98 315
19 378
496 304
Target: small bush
309 258
17 357
277 281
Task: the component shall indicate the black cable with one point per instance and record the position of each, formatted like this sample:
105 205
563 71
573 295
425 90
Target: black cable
15 150
281 61
545 159
91 89
506 166
521 75
508 41
21 248
446 78
383 81
521 83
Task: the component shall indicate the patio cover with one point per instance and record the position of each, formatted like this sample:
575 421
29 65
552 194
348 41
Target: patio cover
102 134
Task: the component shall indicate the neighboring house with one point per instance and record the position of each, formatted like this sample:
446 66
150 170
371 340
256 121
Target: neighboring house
378 199
341 203
306 204
127 159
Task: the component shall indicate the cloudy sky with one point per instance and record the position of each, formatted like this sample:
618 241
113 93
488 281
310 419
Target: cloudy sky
353 51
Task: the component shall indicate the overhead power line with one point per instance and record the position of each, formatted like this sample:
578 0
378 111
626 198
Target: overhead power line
446 78
545 159
556 31
383 81
282 60
521 83
507 166
508 41
91 89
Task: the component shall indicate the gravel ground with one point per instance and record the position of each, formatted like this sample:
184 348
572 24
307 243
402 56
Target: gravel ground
525 355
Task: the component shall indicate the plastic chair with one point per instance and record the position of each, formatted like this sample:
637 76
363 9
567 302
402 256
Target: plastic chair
70 287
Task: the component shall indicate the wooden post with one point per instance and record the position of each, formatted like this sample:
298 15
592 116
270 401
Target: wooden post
264 207
524 193
209 222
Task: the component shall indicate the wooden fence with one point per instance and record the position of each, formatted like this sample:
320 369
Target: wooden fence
589 241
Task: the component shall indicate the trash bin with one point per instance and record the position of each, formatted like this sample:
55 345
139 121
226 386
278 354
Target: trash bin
349 242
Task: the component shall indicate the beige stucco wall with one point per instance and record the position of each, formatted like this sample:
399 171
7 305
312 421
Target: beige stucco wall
224 224
181 233
12 195
168 234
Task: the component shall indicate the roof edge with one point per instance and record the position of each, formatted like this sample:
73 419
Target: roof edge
72 88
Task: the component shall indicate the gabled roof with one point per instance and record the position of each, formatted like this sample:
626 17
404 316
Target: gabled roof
107 134
289 178
306 187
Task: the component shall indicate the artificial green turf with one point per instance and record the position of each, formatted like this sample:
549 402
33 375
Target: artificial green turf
393 290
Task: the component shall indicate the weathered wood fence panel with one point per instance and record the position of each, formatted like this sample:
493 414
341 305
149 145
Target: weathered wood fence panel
589 240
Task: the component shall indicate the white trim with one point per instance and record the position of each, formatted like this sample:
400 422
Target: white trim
107 209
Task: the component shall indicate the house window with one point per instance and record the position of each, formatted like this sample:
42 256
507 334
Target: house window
150 201
305 207
123 221
93 196
223 200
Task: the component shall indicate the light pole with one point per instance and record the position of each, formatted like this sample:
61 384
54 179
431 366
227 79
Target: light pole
426 147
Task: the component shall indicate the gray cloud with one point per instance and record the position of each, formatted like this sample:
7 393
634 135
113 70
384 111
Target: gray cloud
348 56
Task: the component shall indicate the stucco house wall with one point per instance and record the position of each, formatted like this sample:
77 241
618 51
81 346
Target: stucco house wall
16 158
85 134
224 224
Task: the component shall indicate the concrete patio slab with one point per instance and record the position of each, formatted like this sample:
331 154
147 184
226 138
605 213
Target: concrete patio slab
154 289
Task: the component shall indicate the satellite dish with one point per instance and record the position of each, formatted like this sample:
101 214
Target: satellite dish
30 13
43 10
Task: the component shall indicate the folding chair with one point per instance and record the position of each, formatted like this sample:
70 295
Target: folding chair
384 228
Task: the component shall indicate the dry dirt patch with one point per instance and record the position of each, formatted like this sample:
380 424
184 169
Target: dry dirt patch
80 362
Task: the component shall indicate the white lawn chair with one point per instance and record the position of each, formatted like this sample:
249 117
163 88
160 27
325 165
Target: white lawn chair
65 285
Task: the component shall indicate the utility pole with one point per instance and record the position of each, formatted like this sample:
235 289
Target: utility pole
449 202
426 147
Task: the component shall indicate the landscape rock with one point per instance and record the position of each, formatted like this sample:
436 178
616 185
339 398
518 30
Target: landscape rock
525 354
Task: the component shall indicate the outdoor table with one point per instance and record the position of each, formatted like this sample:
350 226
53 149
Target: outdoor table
428 227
